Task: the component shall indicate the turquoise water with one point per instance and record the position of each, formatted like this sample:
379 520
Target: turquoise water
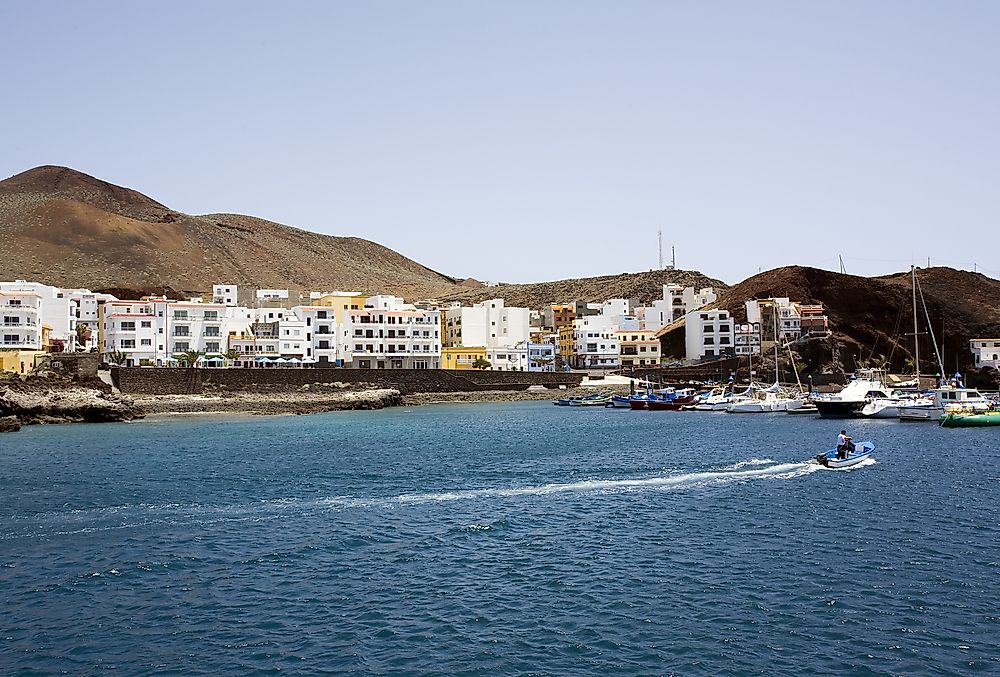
501 538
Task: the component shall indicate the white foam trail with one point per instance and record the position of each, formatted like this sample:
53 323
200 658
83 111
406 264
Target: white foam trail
724 476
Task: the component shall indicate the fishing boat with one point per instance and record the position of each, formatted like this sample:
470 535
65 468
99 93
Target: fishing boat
861 451
952 396
594 400
620 402
679 400
960 419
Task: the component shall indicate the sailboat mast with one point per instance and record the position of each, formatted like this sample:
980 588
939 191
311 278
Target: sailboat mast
916 337
774 316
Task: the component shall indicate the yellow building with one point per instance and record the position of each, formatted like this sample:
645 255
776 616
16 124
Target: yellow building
460 357
563 315
341 302
20 361
567 344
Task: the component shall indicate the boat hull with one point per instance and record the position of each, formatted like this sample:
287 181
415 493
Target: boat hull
669 405
978 420
862 451
839 408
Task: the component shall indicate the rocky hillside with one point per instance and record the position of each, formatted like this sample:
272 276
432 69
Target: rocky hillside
67 228
873 317
647 287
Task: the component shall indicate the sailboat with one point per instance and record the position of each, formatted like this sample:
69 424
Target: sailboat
759 399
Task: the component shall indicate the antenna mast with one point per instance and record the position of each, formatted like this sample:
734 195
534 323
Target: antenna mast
659 244
842 269
673 258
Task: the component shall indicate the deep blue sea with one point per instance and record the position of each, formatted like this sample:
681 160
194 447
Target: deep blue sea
516 538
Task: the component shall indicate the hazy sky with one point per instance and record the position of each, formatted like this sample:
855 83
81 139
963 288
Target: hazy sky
524 141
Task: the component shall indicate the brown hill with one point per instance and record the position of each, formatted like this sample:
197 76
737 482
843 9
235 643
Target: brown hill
70 229
873 317
646 287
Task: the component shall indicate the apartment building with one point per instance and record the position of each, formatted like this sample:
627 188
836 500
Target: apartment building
391 334
708 334
638 348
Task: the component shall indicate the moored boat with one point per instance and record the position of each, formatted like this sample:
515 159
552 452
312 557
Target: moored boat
958 419
866 385
860 452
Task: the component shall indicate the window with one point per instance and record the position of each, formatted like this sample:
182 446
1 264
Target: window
180 315
181 346
146 324
128 343
182 331
128 326
212 346
211 316
211 331
146 342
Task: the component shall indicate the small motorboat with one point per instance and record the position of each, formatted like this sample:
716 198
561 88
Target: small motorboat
861 451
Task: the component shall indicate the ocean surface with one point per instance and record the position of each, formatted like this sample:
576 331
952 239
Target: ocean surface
516 538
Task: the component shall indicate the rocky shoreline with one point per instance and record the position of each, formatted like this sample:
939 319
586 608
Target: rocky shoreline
39 400
269 404
44 400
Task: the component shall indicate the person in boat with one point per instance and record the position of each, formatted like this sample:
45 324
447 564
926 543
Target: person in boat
844 445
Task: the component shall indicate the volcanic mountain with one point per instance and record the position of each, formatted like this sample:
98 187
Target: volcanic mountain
873 317
66 228
63 227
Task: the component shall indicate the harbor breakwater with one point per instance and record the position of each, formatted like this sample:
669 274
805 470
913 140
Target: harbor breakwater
181 381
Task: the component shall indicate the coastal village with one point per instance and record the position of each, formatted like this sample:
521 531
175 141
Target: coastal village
280 328
271 328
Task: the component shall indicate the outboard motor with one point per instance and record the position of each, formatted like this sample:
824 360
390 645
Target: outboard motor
823 460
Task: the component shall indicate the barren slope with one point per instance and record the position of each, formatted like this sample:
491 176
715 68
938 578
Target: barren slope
73 230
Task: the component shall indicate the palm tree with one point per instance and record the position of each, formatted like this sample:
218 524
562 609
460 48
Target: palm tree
232 355
117 358
481 363
189 357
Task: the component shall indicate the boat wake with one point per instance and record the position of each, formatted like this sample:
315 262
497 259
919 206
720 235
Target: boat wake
743 471
145 515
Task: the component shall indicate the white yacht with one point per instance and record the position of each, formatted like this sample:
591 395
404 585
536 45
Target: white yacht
866 385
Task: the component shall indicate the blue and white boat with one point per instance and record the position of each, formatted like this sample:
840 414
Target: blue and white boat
861 451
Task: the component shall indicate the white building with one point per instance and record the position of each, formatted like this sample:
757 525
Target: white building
391 334
153 332
677 302
21 313
986 352
595 349
225 294
86 305
326 337
57 311
489 324
272 296
746 338
708 334
508 359
541 356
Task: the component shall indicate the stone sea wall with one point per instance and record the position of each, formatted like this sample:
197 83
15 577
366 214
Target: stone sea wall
181 381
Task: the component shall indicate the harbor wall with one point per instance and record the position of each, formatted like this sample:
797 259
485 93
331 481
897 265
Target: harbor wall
181 381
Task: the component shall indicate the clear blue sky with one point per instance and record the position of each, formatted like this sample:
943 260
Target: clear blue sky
523 141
